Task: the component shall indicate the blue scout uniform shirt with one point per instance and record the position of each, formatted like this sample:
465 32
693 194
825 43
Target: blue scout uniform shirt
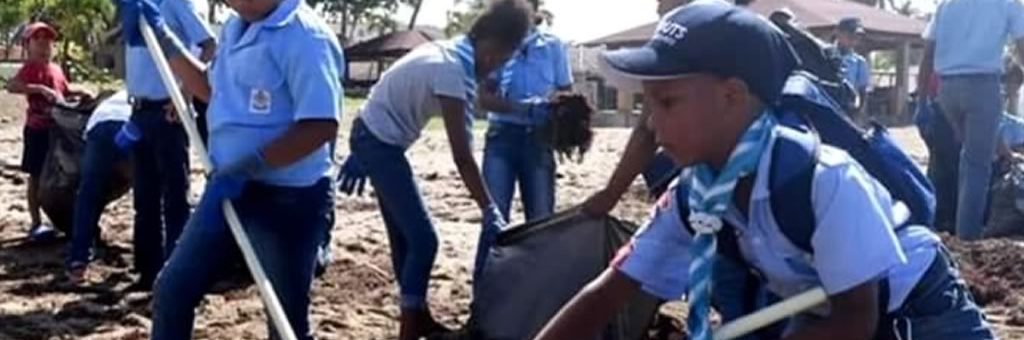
858 72
537 69
854 240
267 76
183 17
970 35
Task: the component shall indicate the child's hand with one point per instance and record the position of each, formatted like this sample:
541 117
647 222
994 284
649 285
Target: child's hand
51 95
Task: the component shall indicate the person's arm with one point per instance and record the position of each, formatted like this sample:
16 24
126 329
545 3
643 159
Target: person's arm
590 310
19 87
927 69
853 316
190 71
454 113
207 48
640 150
490 100
299 141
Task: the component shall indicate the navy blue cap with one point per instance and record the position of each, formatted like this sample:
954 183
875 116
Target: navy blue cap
851 25
708 37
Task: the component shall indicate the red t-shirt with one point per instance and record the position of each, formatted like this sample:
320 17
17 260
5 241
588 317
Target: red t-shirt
46 74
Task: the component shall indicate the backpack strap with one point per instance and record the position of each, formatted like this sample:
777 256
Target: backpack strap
791 178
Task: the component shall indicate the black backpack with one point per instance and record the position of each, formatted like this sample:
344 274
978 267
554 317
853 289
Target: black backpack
823 62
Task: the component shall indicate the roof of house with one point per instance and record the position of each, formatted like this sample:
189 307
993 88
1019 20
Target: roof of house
393 44
816 15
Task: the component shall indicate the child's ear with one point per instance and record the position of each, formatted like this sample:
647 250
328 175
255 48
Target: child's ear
736 92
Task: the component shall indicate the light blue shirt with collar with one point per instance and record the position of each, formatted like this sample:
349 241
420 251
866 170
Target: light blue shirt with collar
539 68
970 35
267 76
854 241
858 72
186 20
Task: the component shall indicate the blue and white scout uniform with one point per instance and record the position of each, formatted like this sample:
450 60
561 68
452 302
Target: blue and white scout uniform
161 154
268 75
514 152
854 243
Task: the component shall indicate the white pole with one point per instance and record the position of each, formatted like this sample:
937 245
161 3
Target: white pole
263 285
771 314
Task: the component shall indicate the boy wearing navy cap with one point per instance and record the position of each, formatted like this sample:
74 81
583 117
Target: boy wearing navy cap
275 99
713 110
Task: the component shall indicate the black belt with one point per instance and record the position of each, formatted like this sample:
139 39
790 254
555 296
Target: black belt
149 104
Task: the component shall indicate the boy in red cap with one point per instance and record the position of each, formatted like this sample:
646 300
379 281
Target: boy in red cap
43 83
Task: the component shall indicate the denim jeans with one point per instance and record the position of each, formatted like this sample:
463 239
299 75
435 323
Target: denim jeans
160 189
973 105
943 167
940 307
516 153
410 232
97 167
286 226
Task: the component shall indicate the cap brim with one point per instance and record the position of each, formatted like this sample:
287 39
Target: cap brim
627 69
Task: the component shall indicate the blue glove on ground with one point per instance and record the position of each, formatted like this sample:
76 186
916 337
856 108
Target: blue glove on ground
493 224
127 136
226 183
130 10
352 177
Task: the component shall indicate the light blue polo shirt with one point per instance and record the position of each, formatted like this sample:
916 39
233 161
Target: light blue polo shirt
267 76
186 19
853 243
970 35
535 71
858 72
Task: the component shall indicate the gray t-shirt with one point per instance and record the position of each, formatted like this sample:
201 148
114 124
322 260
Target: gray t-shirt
401 103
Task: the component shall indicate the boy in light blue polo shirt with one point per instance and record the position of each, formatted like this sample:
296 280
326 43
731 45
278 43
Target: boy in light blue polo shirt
275 100
966 41
161 155
849 33
515 152
714 111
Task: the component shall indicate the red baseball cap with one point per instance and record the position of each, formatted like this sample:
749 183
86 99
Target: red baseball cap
39 30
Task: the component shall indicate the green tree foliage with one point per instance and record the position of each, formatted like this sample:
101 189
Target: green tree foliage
373 15
466 12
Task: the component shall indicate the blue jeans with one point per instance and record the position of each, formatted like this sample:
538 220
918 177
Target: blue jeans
973 105
160 189
410 232
943 165
517 153
97 167
940 307
286 226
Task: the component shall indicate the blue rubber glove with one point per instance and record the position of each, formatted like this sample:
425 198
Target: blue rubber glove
493 224
226 183
127 136
352 177
130 10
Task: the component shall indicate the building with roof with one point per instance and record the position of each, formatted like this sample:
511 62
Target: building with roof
886 32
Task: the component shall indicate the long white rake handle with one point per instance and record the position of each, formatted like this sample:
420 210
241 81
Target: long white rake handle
771 314
270 300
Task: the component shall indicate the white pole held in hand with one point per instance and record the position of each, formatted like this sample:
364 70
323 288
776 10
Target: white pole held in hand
771 314
263 285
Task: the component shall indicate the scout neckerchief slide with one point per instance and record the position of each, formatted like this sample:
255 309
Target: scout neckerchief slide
711 197
263 285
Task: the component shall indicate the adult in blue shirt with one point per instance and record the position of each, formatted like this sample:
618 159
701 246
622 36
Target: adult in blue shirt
849 33
275 99
965 45
515 152
161 154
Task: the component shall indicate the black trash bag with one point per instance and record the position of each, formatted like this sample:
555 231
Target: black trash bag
536 268
58 184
